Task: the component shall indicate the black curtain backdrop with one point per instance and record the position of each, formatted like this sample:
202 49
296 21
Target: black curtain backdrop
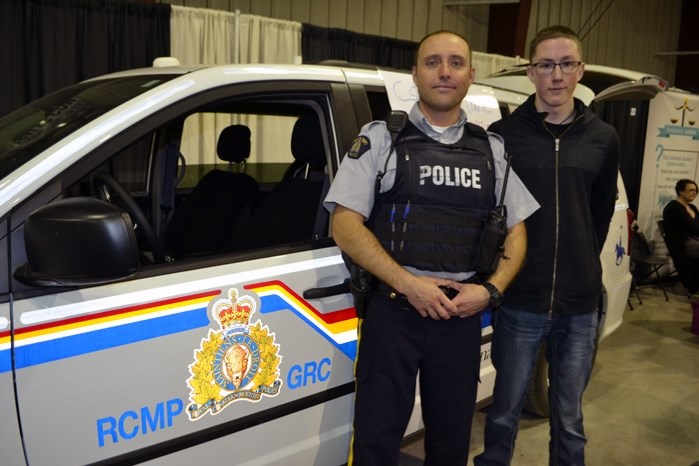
630 118
50 44
318 43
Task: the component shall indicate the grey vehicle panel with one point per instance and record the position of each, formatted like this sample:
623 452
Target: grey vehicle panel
112 390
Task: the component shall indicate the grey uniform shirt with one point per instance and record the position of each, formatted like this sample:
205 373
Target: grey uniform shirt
353 186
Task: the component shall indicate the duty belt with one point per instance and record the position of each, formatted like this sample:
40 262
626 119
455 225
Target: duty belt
385 289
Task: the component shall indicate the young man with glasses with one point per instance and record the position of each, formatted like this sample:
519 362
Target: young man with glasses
568 159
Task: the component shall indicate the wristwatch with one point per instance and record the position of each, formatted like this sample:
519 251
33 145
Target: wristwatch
495 296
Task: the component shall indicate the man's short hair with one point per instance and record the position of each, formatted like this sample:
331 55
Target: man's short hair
681 185
553 32
443 31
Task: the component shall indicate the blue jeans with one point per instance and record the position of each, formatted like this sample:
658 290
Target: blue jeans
517 338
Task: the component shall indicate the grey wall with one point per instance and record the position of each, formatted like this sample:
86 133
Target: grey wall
627 35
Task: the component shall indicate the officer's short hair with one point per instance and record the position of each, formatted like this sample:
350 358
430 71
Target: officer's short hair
443 31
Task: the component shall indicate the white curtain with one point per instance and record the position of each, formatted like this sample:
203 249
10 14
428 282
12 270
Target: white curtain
215 37
200 36
267 40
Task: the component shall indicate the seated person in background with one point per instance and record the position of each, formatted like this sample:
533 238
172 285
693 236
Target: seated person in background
681 224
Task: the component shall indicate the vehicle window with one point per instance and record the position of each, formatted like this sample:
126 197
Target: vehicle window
270 152
252 180
221 179
380 106
31 129
129 166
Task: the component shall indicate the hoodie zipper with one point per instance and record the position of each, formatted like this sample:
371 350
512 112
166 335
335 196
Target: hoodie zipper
557 142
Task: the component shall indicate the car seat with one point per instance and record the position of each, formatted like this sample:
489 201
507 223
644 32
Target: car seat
290 211
206 221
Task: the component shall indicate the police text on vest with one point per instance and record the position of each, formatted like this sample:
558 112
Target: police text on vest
450 176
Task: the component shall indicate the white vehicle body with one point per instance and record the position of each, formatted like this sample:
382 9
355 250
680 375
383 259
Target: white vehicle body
111 356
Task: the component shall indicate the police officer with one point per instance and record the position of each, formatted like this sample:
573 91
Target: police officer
408 209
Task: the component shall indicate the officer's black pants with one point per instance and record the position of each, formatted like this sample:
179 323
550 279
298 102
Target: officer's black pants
395 342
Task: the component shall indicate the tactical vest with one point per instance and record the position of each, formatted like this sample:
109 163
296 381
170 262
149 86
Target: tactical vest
432 217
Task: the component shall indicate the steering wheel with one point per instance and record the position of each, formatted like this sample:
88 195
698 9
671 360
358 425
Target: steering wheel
110 190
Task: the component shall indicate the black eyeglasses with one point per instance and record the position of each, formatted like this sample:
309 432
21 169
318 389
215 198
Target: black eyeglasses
546 68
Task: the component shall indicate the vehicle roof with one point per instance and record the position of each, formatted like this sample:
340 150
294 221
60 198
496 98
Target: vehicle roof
260 72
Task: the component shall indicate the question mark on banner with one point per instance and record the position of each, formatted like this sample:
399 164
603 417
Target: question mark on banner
659 149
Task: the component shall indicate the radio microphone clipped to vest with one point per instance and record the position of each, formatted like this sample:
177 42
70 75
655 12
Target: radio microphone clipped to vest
491 247
395 122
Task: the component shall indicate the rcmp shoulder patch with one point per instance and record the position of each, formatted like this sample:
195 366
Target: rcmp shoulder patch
359 146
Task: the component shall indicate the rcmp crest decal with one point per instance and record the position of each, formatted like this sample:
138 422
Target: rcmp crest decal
238 362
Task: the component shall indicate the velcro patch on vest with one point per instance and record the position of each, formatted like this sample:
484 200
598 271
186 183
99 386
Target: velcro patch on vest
359 146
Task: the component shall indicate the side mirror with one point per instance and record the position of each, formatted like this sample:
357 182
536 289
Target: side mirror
78 241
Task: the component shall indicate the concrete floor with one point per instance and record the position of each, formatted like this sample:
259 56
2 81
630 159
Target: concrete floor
641 407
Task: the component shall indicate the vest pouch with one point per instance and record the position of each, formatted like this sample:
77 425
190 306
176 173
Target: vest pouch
490 247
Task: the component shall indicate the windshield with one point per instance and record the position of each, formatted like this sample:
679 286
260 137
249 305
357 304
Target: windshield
33 128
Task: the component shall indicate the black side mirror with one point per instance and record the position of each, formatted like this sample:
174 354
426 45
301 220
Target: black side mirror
78 241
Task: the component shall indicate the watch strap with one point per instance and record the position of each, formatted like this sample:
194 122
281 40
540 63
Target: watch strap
495 295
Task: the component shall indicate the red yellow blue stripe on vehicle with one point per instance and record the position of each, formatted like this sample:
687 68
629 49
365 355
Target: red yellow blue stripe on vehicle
82 334
85 333
338 327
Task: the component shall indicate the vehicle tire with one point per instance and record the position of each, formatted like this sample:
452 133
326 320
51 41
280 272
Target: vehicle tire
537 399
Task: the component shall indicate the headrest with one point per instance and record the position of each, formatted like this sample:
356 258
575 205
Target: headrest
234 144
307 141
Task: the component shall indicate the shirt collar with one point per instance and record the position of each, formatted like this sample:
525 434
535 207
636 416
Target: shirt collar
450 135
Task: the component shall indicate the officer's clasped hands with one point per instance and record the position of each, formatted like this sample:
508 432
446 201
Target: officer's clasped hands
472 298
427 295
428 299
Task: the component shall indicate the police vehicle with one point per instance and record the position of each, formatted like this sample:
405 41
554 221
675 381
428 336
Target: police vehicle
170 292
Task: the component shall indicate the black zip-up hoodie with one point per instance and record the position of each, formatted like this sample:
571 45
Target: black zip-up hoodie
574 179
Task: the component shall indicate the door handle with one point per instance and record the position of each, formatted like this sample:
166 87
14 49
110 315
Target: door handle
325 291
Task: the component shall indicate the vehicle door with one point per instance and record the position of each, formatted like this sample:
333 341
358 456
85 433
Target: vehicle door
10 441
221 352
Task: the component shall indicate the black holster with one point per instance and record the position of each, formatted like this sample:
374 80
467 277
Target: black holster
361 284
